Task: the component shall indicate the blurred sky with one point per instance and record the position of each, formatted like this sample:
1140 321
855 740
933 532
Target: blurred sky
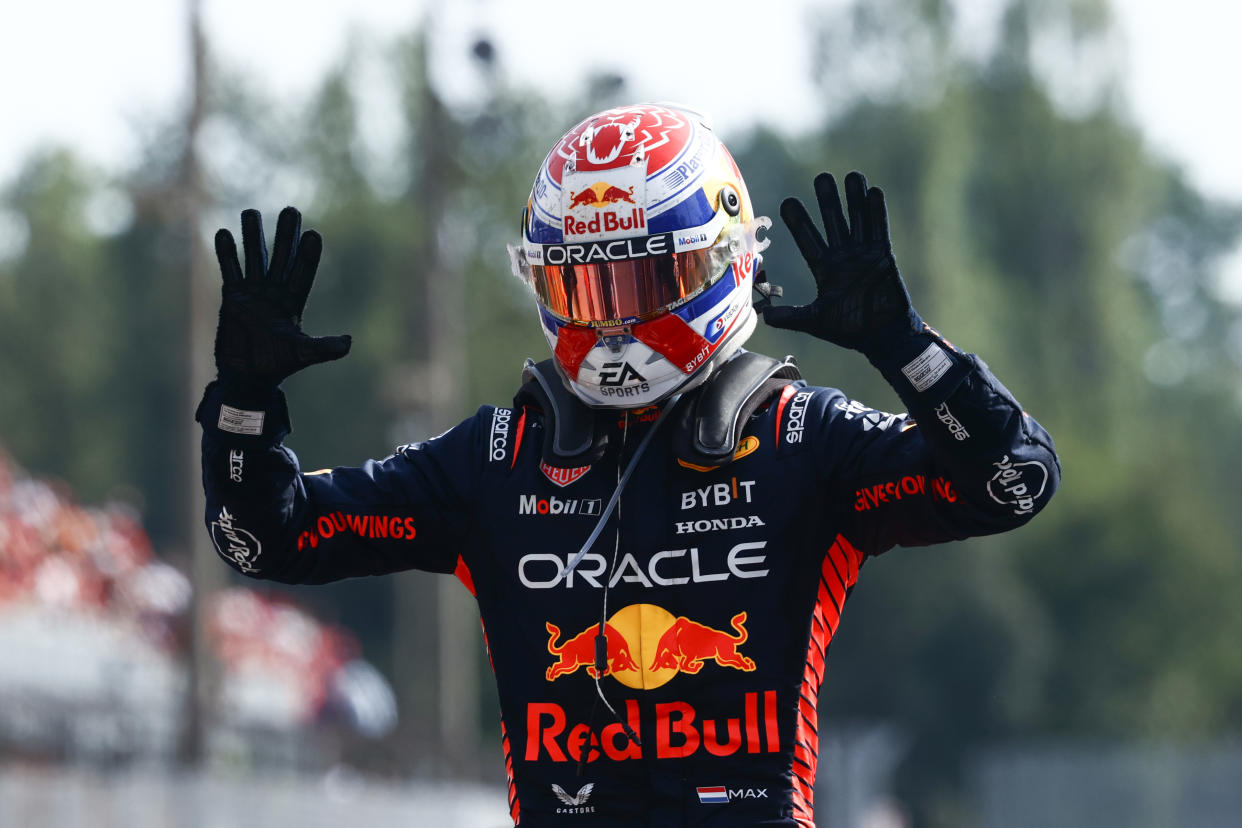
86 73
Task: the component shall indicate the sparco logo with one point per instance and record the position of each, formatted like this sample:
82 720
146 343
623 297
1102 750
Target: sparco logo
533 505
499 443
1018 484
234 543
950 422
797 417
236 460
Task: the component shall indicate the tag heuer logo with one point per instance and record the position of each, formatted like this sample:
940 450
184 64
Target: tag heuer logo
562 477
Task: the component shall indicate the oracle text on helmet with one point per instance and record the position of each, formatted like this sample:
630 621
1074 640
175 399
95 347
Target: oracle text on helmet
613 251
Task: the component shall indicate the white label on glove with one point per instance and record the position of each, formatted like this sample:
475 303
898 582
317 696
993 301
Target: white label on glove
926 369
239 421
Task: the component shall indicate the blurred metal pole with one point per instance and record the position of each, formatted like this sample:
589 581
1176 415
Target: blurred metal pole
444 299
444 319
436 372
207 573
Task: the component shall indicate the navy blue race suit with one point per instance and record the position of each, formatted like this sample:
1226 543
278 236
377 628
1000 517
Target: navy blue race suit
726 583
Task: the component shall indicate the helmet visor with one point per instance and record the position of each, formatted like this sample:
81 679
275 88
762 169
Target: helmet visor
623 281
624 290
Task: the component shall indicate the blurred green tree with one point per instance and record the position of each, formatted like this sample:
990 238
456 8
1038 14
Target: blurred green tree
1082 267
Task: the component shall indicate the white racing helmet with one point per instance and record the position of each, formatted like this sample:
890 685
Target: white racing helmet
640 244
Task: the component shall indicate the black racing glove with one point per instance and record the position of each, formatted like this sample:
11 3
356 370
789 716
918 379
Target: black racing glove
861 302
259 341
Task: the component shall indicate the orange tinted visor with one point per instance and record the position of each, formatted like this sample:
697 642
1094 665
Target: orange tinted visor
624 290
623 281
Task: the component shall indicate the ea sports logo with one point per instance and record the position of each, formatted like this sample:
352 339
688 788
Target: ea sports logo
616 374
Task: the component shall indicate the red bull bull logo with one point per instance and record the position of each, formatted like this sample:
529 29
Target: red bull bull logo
687 644
648 646
579 651
600 194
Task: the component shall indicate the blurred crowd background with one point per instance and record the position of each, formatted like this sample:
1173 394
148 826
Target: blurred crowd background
1083 671
94 628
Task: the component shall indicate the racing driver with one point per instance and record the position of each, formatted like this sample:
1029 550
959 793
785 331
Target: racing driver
662 528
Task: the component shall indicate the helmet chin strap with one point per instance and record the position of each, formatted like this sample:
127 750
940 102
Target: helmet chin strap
616 494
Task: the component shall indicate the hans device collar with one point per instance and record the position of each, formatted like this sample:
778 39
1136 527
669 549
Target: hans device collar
709 424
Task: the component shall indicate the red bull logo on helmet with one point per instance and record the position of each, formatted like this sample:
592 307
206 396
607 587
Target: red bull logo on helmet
667 153
605 224
647 646
600 194
594 209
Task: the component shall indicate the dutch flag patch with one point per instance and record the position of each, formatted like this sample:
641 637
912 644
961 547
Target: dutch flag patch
713 796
